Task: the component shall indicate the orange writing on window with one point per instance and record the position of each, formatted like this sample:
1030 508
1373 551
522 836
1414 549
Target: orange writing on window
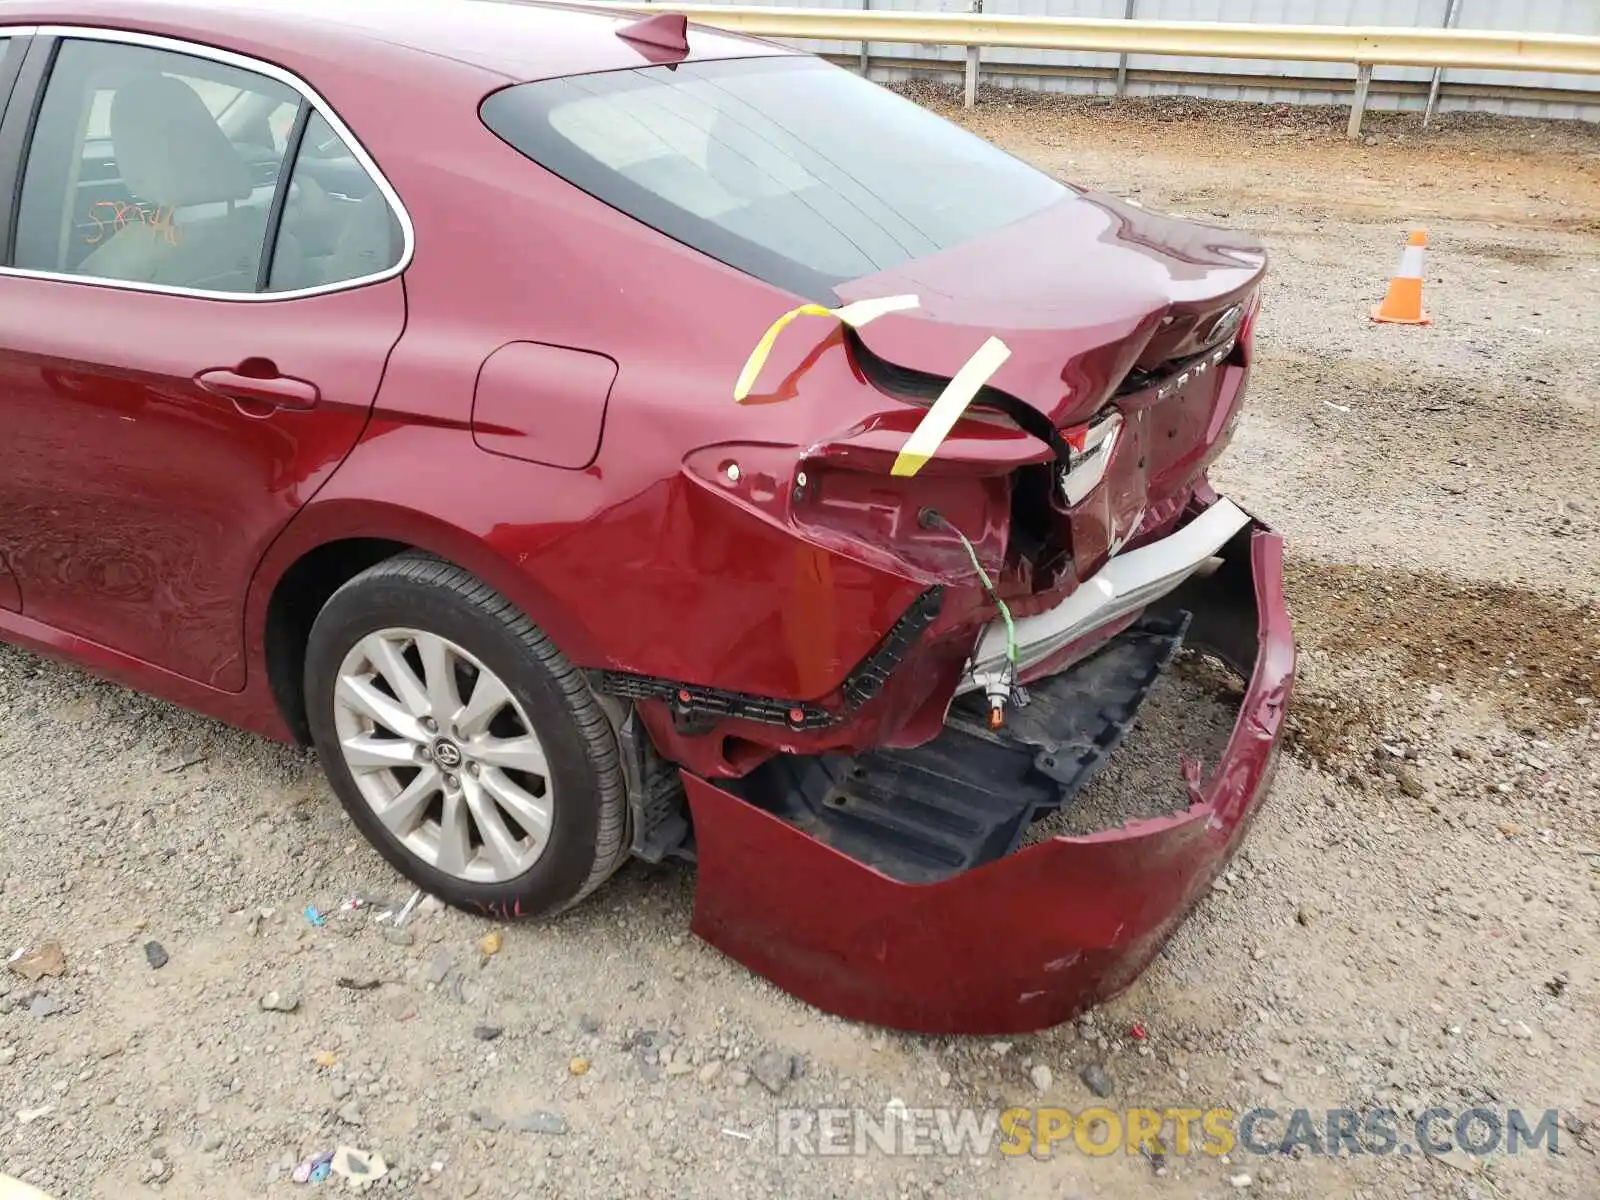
117 216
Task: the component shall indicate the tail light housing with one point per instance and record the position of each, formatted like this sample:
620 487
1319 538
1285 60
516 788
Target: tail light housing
871 517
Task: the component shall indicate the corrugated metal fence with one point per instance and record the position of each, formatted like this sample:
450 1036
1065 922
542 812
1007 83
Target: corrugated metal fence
1514 93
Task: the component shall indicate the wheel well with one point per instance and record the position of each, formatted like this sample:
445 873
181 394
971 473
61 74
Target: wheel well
296 601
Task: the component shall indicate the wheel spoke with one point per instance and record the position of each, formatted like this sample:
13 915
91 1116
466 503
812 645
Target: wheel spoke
439 676
531 812
489 696
366 752
512 754
375 706
387 660
402 813
498 843
455 846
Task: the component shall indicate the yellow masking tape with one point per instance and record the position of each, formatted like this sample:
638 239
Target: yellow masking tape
860 312
855 315
947 409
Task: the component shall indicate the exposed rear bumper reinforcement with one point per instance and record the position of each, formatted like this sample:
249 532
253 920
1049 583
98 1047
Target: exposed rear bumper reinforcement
865 921
1128 582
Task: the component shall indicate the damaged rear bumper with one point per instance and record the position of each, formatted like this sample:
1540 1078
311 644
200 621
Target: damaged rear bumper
1127 583
1016 939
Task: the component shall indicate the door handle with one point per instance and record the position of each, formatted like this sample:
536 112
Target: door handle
274 391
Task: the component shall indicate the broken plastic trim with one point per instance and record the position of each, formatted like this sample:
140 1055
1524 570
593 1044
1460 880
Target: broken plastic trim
697 709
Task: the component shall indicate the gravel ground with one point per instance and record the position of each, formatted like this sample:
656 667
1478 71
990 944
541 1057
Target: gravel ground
1414 919
1191 711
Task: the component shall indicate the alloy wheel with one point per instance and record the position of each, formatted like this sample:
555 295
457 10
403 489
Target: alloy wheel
444 755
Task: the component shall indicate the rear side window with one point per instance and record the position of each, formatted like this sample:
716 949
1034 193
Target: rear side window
130 175
149 166
789 169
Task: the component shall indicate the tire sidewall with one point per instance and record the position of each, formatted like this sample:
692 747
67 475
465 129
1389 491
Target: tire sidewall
367 605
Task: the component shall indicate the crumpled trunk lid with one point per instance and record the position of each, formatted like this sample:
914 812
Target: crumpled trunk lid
1083 293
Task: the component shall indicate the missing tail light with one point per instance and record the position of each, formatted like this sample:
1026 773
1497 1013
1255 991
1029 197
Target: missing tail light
860 513
864 515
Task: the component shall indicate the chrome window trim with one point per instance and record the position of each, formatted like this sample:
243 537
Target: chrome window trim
95 33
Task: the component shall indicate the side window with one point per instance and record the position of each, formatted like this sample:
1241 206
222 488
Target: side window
131 174
149 166
337 224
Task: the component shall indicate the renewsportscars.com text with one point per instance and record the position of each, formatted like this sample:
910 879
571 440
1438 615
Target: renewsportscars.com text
1099 1131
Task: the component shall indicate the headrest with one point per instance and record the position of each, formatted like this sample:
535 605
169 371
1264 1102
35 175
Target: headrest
169 147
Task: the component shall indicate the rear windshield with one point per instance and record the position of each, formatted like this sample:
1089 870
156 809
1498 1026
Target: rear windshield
789 169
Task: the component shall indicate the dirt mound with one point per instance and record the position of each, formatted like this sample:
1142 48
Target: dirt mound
1535 656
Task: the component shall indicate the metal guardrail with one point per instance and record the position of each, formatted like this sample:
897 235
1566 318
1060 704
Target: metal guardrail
1365 46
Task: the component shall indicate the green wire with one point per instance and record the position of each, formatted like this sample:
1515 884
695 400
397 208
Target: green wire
1005 613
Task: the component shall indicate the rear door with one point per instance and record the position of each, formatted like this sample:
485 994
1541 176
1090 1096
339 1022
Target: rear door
12 50
198 293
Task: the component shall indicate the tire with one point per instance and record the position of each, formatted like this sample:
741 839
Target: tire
583 803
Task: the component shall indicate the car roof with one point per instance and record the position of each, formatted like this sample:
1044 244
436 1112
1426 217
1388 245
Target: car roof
516 40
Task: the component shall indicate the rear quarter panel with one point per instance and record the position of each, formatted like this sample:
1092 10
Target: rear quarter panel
626 563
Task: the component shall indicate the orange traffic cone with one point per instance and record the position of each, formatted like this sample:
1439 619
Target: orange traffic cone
1403 304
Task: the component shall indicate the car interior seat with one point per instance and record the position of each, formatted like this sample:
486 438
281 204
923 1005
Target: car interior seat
174 156
366 242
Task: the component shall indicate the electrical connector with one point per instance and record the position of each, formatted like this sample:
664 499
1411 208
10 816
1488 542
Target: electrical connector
1002 690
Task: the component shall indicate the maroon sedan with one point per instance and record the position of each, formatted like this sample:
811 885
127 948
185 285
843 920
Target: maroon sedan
600 437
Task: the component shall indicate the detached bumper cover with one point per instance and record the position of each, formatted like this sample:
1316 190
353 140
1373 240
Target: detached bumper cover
1032 938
